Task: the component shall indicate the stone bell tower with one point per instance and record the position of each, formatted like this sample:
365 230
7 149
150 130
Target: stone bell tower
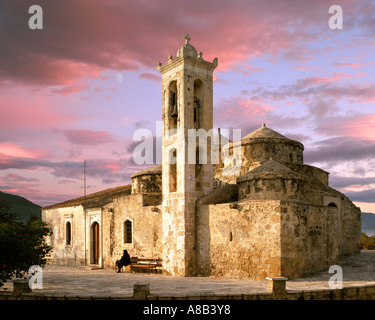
187 173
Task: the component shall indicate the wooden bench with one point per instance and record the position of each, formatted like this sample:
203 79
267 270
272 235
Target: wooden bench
149 263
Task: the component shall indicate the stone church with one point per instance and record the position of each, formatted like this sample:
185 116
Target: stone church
257 212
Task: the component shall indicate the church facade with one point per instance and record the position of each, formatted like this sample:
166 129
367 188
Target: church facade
256 211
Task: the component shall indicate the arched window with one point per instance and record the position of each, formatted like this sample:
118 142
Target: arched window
198 104
68 233
173 106
172 170
332 205
198 171
95 243
128 234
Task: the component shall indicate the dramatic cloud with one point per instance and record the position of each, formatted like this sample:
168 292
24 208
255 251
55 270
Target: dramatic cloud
319 86
340 149
80 38
353 65
150 76
344 182
238 111
65 90
14 177
356 125
88 137
23 109
93 66
362 196
13 150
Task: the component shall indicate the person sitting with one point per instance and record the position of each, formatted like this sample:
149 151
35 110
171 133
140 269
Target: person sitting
123 262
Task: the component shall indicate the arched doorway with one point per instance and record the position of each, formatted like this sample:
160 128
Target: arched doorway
95 243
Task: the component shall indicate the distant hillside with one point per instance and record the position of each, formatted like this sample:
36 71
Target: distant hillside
368 223
22 207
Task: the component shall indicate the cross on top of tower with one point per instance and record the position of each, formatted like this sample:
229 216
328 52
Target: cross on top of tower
187 38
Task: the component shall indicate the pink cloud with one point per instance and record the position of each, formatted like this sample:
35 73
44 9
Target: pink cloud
334 78
66 90
218 79
23 108
322 86
361 127
358 126
237 109
16 151
14 177
113 166
91 43
353 65
150 76
88 137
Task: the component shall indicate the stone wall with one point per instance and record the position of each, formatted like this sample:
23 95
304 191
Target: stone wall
63 253
239 240
310 171
309 238
259 239
146 183
350 220
349 293
146 229
257 151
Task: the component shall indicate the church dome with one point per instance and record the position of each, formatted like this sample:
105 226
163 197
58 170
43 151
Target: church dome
187 50
147 181
265 143
270 170
271 180
265 132
258 147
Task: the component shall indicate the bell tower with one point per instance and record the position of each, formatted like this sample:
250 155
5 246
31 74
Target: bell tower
187 99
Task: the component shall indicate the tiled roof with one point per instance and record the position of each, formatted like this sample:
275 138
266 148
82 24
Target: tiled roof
269 169
95 199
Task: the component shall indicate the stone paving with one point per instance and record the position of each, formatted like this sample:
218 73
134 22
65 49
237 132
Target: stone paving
358 270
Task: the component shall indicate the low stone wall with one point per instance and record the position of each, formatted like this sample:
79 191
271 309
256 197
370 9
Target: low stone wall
349 293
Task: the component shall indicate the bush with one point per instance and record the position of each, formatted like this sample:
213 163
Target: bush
22 246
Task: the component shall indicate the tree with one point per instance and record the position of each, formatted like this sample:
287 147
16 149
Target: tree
6 214
367 243
21 245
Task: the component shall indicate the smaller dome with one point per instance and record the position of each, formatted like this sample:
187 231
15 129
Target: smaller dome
270 170
155 170
265 132
187 50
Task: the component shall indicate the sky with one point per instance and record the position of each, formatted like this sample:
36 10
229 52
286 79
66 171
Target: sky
79 88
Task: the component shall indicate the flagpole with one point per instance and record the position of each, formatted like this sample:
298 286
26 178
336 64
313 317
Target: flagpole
84 177
84 203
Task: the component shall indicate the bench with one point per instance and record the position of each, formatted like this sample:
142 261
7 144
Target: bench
144 263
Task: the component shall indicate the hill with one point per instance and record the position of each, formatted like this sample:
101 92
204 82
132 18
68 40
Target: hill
21 207
368 223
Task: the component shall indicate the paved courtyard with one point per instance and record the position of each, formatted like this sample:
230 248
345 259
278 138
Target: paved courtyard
358 270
